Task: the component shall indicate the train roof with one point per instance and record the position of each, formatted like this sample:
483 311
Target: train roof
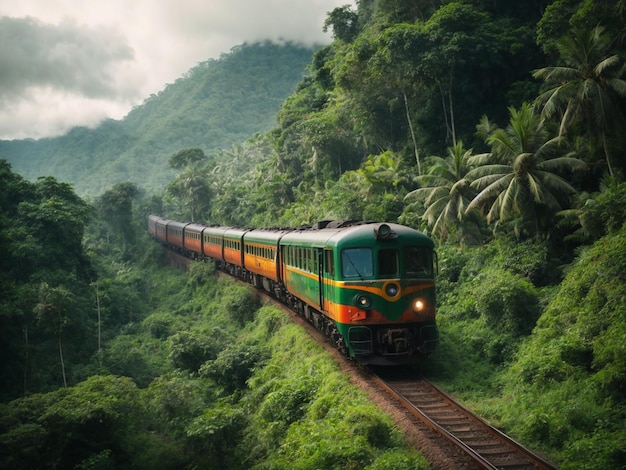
193 227
357 234
233 233
174 224
215 230
265 236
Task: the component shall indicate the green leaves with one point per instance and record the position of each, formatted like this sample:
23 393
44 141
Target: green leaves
588 88
518 181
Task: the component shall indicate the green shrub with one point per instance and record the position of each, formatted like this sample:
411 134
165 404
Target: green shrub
289 400
399 460
189 349
239 304
602 449
509 304
160 325
200 273
234 365
269 320
138 356
173 399
212 436
323 444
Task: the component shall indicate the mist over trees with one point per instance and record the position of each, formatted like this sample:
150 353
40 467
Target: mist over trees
216 104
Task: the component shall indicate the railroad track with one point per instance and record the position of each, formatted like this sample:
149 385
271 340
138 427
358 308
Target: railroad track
483 444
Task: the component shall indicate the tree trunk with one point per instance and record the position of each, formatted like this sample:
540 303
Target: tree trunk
26 358
62 362
99 321
408 118
606 154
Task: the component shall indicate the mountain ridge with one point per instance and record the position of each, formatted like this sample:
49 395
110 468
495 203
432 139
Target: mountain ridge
216 104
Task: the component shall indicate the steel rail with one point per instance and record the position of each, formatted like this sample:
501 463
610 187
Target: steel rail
481 461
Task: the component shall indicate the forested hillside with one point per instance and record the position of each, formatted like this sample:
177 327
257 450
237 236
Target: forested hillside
218 103
494 126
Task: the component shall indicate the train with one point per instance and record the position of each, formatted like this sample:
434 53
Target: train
369 287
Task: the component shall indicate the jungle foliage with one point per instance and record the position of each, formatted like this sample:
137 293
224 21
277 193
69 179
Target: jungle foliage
496 127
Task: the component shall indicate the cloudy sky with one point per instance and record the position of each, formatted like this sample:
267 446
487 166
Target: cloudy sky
65 63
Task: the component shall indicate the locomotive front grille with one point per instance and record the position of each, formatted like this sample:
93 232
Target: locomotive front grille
360 338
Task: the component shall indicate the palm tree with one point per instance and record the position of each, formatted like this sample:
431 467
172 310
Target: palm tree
518 180
446 194
588 87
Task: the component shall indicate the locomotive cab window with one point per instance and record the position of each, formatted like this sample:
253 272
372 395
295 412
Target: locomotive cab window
418 261
329 267
388 262
357 263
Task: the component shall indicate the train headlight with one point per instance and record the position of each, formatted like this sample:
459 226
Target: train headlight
418 305
363 301
392 289
383 232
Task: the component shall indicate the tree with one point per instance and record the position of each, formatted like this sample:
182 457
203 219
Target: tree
54 305
590 87
187 157
518 179
190 191
343 21
56 217
446 194
116 208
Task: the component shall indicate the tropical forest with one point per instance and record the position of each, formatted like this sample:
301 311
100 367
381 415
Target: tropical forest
495 127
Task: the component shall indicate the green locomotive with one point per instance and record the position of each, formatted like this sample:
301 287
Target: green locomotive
369 286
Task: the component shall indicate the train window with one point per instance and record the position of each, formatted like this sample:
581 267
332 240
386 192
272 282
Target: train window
418 261
357 262
329 265
388 262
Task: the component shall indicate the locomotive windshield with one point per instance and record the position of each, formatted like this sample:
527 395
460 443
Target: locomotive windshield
388 262
418 261
357 262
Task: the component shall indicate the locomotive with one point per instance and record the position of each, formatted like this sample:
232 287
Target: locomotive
368 287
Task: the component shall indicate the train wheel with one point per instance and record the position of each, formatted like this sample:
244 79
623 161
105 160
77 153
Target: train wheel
338 341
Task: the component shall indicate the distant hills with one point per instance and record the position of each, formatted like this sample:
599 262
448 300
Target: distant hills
216 104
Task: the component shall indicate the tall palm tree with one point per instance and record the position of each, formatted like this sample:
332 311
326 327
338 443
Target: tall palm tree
518 180
446 194
588 87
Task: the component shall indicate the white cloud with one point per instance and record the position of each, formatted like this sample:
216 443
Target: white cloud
75 62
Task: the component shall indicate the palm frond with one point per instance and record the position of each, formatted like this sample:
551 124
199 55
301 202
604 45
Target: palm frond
480 159
502 144
494 188
556 74
487 180
561 164
487 170
604 66
618 85
556 183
